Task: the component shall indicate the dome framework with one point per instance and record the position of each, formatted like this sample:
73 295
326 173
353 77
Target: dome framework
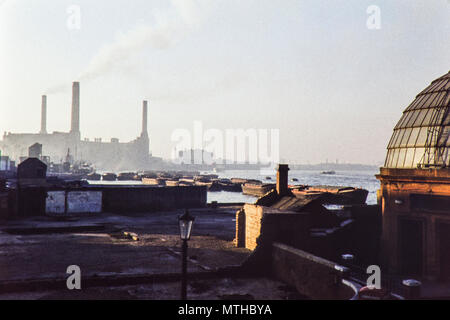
421 136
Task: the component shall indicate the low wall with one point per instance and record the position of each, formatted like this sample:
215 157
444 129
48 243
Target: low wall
4 205
367 226
77 202
256 224
312 276
145 199
30 201
252 228
274 237
38 200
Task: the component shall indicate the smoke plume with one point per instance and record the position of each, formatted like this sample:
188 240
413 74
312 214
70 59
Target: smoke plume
170 26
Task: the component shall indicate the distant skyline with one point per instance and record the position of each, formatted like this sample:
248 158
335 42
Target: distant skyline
312 69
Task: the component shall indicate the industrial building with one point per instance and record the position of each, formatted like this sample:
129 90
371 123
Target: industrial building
415 187
113 155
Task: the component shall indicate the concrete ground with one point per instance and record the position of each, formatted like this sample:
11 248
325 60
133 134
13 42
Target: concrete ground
213 289
41 248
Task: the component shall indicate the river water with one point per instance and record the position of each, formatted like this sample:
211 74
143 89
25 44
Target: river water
359 179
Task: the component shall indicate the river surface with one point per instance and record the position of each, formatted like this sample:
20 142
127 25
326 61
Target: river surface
357 179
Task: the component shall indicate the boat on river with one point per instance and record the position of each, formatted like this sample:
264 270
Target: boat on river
154 181
256 189
109 176
332 194
126 176
93 176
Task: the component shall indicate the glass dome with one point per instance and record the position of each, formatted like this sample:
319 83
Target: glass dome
421 137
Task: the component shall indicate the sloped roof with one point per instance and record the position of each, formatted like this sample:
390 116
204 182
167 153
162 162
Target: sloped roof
320 216
32 162
296 204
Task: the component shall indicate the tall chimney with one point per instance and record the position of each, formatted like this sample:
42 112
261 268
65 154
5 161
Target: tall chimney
282 179
144 132
44 115
75 123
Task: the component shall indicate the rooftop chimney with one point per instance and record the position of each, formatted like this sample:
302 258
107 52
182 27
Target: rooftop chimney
75 123
282 180
44 115
144 132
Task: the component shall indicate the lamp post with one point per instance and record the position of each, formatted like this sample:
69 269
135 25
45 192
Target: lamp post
185 223
347 259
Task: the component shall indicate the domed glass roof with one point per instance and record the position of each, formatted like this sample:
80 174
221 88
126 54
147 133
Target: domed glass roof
421 137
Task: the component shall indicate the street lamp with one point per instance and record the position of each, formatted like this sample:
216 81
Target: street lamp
185 223
347 259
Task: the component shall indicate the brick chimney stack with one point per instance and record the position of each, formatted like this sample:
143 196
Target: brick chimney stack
144 132
282 179
44 115
75 121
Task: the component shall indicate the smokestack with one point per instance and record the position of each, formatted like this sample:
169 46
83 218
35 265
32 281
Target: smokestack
282 179
44 115
75 123
144 132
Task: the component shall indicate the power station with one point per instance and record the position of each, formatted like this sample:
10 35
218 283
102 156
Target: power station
56 146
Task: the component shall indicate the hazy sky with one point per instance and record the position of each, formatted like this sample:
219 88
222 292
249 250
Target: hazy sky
312 69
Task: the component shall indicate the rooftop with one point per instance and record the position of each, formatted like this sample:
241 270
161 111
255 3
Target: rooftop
420 138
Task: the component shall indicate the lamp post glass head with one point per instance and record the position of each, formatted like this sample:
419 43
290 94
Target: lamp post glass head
186 221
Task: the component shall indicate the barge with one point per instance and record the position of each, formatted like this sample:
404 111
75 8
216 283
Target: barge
332 194
257 190
109 177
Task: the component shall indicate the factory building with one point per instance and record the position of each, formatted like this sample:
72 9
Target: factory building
112 155
415 187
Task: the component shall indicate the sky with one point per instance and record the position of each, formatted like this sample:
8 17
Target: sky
313 69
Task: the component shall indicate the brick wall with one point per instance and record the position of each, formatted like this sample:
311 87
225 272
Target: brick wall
31 201
240 229
312 276
146 199
257 224
4 205
253 216
402 192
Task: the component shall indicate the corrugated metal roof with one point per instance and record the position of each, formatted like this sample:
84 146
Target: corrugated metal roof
296 204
